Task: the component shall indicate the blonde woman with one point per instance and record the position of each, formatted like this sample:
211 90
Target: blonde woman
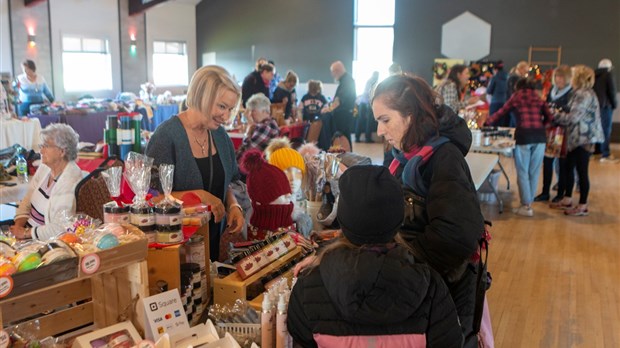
285 93
199 147
583 130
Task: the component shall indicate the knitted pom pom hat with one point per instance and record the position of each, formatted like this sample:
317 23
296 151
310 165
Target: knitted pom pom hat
265 183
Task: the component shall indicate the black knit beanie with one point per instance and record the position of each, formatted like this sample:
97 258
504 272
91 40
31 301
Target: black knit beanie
371 206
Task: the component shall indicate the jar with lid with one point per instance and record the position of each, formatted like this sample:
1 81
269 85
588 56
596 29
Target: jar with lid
168 220
143 217
112 213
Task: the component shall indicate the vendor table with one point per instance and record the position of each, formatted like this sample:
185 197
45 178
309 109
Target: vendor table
480 166
12 194
499 147
47 119
89 126
237 138
25 132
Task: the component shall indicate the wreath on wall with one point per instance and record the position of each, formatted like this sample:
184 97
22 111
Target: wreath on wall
440 70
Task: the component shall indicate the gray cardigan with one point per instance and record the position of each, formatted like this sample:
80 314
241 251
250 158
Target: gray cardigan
169 145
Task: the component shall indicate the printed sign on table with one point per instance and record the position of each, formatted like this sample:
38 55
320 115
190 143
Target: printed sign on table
164 313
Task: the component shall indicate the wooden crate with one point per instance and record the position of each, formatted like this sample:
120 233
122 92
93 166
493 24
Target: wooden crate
100 299
121 255
43 277
165 263
231 288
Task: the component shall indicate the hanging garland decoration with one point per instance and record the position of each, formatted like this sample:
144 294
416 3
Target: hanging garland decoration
440 70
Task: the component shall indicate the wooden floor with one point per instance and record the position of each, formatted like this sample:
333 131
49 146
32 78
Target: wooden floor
556 279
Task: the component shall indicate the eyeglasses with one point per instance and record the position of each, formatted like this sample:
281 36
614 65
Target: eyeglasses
47 146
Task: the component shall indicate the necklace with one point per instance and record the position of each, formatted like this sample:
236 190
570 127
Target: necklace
202 145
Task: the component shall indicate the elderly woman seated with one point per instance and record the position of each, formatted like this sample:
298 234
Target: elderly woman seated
262 128
52 187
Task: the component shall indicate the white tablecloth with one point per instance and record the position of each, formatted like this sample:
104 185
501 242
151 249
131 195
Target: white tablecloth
480 166
12 194
25 133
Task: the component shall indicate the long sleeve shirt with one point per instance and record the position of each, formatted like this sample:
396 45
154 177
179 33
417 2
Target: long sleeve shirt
450 95
532 116
33 92
262 133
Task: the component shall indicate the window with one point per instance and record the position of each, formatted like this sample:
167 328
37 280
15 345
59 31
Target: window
170 65
86 63
374 39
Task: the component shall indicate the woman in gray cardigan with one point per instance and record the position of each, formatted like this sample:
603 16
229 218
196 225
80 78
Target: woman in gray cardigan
203 154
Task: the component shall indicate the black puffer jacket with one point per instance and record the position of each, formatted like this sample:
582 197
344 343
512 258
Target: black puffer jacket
373 292
446 235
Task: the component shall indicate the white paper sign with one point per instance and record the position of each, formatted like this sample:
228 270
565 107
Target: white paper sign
4 339
164 313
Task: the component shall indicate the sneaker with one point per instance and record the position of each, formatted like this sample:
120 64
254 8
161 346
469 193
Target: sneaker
523 211
556 199
609 159
541 198
560 205
577 212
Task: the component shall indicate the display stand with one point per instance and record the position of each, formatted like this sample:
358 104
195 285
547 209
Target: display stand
231 288
165 263
102 298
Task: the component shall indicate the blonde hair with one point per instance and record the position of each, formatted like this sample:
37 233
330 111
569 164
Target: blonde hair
583 77
291 77
563 71
315 87
208 83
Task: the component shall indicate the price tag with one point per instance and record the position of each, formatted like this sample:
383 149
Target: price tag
143 344
6 286
90 263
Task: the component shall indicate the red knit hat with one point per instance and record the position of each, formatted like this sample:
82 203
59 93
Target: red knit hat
265 183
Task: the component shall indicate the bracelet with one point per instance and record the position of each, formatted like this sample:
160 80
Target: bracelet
235 205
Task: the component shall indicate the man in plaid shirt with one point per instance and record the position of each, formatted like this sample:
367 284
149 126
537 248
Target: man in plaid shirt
533 115
263 127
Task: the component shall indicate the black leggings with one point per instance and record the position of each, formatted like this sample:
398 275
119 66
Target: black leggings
578 158
547 174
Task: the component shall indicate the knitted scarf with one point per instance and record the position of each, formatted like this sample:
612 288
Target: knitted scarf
413 161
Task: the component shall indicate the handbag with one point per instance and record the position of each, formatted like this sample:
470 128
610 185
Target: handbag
556 142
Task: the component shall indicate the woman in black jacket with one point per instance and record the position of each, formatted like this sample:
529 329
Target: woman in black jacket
443 222
365 287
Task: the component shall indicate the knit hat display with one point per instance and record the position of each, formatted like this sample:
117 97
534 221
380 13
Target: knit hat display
265 183
371 207
286 157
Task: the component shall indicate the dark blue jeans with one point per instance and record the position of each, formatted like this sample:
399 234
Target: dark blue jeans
606 119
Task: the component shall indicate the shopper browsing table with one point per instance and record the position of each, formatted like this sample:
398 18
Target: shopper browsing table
430 143
51 194
203 154
32 88
365 289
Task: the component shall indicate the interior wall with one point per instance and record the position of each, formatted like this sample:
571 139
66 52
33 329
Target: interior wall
35 18
96 19
586 30
6 59
172 21
133 61
306 37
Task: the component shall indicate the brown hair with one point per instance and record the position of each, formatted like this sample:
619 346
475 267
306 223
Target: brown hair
315 87
265 67
412 97
30 65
